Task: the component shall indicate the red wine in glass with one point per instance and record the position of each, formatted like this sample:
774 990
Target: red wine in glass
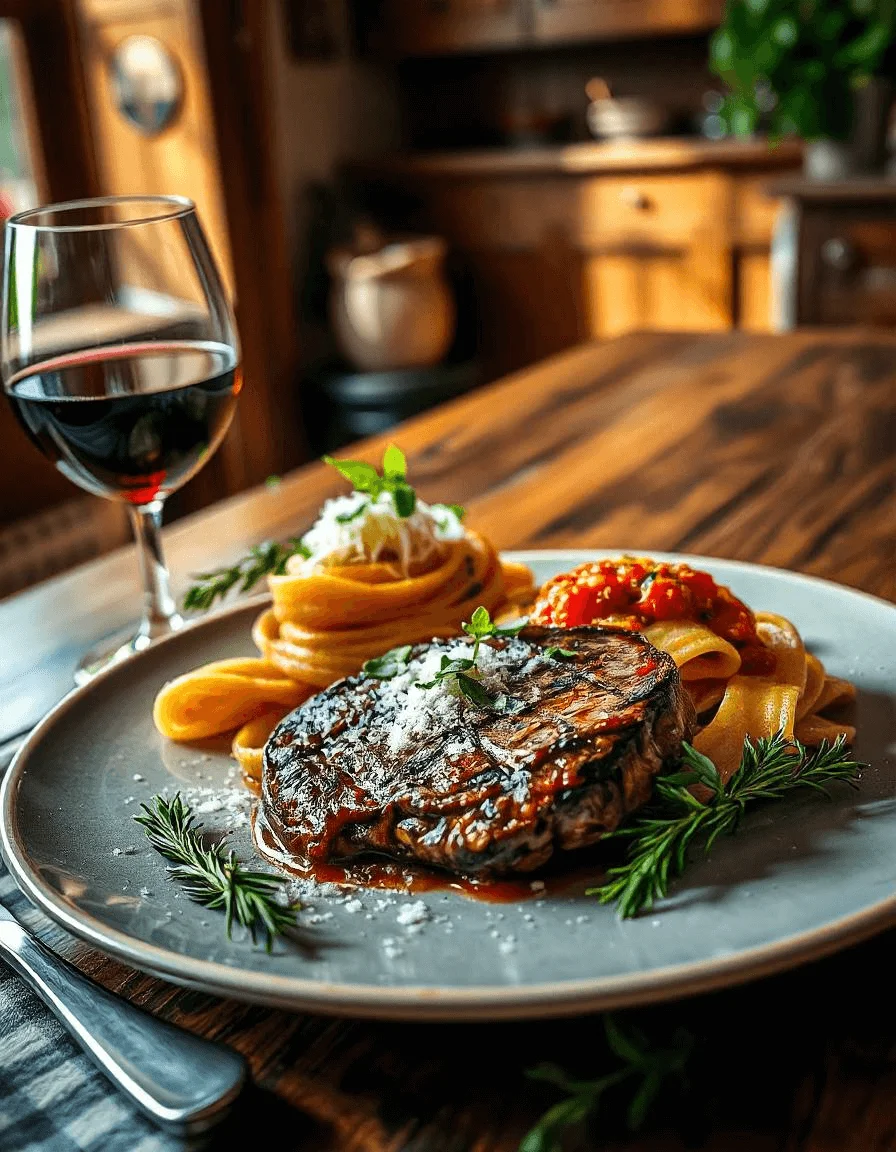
120 357
131 421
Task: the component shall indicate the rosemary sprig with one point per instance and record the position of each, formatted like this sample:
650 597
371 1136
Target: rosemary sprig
212 876
643 1066
267 559
659 839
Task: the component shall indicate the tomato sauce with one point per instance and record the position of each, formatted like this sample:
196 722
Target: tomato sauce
633 591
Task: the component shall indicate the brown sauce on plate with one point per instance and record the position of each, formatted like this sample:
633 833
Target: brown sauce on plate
565 873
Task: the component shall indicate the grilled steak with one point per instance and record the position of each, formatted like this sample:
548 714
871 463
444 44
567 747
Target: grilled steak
389 767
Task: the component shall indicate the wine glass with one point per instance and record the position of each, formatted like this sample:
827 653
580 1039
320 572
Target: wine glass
120 358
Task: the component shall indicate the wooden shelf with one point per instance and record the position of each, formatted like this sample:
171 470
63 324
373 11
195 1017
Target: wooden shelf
671 152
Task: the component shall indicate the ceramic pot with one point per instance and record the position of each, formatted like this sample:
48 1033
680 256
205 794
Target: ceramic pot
392 308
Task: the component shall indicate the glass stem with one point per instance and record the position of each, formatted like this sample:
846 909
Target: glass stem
160 614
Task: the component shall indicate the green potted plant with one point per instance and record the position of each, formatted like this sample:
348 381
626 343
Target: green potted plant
819 69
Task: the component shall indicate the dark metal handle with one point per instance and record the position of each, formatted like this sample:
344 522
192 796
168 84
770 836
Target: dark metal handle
179 1080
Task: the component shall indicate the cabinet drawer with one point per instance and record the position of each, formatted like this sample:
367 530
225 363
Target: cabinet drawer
654 210
848 273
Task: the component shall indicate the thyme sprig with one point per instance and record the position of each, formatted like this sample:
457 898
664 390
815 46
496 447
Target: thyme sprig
267 559
212 876
660 837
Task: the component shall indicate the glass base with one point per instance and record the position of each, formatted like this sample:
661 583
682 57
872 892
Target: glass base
119 647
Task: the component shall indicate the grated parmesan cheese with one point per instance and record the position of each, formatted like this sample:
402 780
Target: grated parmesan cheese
356 529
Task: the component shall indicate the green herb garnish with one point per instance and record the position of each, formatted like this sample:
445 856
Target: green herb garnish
661 835
554 653
364 478
212 876
642 1066
389 664
480 626
462 673
268 559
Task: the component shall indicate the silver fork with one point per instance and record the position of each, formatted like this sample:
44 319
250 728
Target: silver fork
179 1080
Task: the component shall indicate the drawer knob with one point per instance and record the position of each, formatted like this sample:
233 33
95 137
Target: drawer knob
838 254
635 198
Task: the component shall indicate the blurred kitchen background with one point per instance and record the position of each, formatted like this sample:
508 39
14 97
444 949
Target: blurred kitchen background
410 198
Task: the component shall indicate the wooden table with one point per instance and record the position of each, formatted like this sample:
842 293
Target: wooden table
772 449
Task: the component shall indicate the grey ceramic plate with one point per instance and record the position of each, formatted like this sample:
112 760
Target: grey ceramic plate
805 878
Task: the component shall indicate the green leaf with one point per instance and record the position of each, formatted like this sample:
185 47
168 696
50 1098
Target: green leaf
347 517
625 1047
395 466
554 653
405 499
722 52
458 510
390 664
473 691
480 624
511 630
545 1136
362 476
644 1099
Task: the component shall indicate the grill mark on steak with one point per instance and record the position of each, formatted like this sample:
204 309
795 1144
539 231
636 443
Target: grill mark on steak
357 770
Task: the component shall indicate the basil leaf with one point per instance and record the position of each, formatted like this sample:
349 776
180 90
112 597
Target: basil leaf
473 691
405 499
395 466
389 664
362 476
454 666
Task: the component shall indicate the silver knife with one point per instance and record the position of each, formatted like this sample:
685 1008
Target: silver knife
179 1080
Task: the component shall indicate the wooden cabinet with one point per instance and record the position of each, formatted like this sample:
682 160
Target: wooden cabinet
556 21
433 27
558 256
837 257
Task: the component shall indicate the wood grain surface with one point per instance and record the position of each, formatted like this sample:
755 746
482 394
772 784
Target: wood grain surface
773 449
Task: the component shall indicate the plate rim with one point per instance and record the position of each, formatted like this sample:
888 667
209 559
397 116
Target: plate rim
427 1002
